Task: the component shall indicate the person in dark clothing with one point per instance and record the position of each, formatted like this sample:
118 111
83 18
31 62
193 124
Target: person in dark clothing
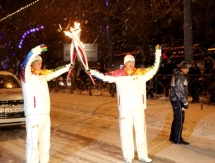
208 64
168 70
104 68
179 101
150 89
211 88
83 76
98 66
194 75
82 73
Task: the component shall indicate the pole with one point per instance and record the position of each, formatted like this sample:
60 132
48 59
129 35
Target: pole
188 35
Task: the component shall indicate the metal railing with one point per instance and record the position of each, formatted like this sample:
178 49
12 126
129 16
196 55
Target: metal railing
202 84
83 85
159 84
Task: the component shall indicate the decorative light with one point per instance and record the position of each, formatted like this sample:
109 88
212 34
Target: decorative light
107 27
107 30
107 3
19 10
32 30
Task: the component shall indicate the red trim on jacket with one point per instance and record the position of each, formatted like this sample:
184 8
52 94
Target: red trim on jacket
143 98
34 102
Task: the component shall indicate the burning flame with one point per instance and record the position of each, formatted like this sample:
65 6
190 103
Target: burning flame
74 32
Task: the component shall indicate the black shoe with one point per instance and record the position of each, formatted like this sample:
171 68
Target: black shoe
182 142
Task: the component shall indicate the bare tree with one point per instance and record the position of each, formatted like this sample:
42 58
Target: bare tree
117 26
188 35
138 20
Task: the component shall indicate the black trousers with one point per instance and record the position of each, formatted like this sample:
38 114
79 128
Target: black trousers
178 121
194 93
193 89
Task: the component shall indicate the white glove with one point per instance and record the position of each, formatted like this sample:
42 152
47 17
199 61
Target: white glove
94 72
158 52
37 50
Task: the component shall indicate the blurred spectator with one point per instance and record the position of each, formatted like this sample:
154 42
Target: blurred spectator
211 88
82 75
150 89
169 66
104 68
98 66
168 71
195 74
208 64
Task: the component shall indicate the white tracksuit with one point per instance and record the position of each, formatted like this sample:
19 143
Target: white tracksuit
37 109
131 95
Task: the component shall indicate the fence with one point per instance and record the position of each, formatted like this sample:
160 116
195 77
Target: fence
203 85
83 85
158 85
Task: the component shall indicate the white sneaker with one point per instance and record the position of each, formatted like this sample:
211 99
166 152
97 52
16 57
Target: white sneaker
128 161
145 159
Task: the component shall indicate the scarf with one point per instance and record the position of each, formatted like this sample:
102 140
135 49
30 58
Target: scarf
41 71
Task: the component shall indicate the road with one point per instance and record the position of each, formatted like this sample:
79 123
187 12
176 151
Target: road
85 130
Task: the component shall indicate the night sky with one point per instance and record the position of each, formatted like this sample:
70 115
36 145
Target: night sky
9 6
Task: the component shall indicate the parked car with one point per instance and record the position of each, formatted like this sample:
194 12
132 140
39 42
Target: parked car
11 100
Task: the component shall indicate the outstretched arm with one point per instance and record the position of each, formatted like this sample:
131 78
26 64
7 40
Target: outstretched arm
101 76
57 72
151 71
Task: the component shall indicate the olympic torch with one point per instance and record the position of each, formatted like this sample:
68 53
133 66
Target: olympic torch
77 48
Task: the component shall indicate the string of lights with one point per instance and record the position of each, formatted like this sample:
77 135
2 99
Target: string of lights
19 10
32 30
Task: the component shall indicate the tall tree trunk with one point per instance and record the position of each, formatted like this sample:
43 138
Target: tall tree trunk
146 28
188 35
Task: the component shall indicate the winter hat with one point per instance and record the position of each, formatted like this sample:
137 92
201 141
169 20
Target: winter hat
128 58
185 64
37 58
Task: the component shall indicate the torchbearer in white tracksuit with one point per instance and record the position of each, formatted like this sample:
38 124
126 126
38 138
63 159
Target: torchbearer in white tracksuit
37 104
131 96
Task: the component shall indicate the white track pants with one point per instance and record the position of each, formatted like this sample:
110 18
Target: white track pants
128 119
38 138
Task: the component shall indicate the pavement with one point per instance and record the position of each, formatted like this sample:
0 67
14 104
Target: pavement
199 131
199 127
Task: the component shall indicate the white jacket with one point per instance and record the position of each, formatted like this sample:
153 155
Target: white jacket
131 90
35 87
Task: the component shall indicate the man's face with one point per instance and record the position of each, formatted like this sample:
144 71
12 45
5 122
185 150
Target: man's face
129 65
37 65
184 70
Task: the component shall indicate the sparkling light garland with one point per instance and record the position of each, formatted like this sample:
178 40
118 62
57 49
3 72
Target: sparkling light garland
19 10
32 30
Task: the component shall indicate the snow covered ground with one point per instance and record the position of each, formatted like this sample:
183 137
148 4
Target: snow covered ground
85 130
